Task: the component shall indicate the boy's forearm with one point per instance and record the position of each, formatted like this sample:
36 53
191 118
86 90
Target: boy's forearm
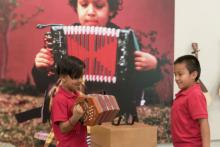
65 127
205 132
73 120
68 125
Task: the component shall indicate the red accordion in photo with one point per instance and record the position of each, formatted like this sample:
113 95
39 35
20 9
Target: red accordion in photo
106 52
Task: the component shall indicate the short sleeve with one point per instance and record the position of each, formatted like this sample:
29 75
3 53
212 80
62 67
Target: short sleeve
59 109
197 106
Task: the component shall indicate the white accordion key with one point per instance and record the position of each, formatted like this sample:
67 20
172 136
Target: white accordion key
76 30
65 30
113 32
101 78
83 30
109 79
87 77
72 30
114 79
90 78
97 77
105 79
92 30
108 31
117 32
104 31
94 78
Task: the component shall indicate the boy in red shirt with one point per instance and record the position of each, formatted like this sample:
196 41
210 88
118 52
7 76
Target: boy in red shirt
189 117
65 114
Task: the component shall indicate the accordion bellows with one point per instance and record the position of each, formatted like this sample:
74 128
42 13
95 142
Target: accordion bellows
97 46
99 108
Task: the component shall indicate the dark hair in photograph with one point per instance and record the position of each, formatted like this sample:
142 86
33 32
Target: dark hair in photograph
114 6
192 64
70 65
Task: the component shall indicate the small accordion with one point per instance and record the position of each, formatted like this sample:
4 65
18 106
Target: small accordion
98 108
106 52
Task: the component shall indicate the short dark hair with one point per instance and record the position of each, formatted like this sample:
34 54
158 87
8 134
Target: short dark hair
114 5
192 64
70 65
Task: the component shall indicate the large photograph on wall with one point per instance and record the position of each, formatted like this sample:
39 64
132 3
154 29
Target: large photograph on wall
127 47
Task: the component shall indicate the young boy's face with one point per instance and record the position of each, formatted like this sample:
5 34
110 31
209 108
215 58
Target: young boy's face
93 12
69 83
184 79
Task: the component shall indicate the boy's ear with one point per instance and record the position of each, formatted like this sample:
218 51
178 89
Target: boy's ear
194 74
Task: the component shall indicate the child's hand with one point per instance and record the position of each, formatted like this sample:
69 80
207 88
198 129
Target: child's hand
78 112
144 61
44 58
73 120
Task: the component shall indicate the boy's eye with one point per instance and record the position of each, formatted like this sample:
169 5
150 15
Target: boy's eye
178 74
84 4
99 5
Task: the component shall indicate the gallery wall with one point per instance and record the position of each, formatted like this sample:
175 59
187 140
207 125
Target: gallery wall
198 21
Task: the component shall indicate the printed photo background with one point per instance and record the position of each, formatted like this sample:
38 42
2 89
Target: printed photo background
152 20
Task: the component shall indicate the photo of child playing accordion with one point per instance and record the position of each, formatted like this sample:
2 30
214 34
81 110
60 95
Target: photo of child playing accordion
142 69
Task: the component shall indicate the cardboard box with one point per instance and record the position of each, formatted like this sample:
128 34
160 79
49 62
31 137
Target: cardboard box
137 135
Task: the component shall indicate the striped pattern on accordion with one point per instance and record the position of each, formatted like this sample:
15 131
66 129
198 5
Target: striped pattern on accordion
99 108
104 50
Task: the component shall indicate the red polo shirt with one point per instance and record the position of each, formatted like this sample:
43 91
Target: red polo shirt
61 111
188 106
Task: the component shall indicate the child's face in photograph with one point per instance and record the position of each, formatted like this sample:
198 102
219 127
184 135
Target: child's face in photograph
93 12
184 79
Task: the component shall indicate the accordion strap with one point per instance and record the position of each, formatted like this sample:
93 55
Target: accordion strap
49 139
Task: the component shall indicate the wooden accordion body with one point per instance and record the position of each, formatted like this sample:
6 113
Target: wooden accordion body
107 52
99 108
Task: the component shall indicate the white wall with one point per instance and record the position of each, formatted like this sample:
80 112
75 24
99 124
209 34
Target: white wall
199 21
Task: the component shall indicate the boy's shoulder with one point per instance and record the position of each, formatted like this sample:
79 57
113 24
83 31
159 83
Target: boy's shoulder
59 94
196 93
194 90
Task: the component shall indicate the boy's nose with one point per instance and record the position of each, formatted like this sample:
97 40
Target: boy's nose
91 10
176 78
